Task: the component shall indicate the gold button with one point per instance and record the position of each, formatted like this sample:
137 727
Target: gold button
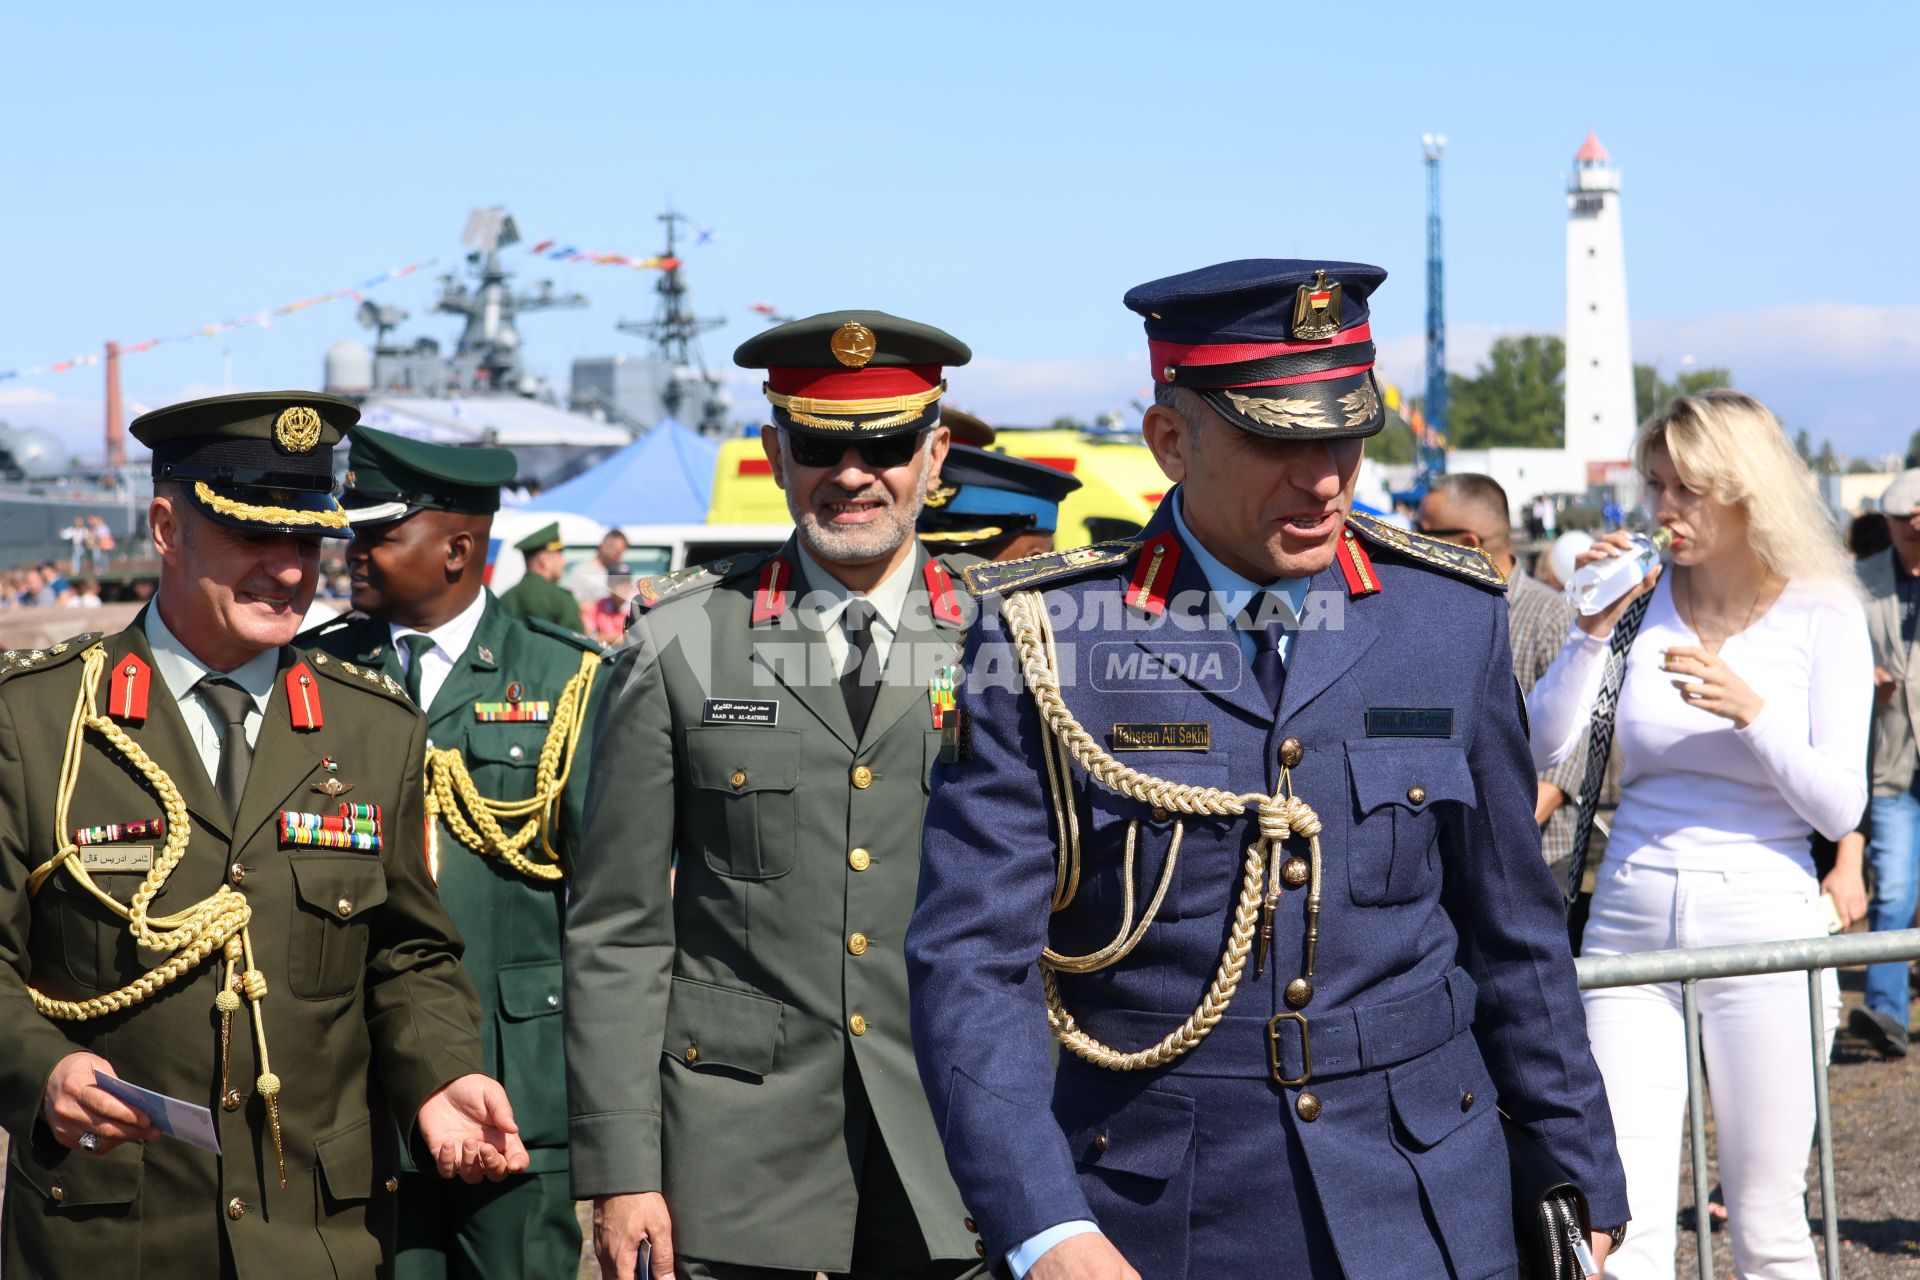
1299 992
1466 1100
692 1055
859 859
739 779
862 776
236 874
1291 752
1307 1107
344 906
231 1100
1295 872
59 1192
857 944
1417 794
393 1184
857 1025
1100 1142
236 1209
1159 814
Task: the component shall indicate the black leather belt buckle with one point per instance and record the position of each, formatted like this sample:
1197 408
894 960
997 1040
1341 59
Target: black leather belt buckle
1273 1049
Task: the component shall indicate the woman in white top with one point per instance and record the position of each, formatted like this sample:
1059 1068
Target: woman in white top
1742 729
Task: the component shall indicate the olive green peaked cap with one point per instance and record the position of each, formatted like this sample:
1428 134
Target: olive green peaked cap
260 460
853 375
546 539
390 477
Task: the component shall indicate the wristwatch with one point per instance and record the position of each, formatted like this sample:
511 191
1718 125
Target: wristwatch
1616 1234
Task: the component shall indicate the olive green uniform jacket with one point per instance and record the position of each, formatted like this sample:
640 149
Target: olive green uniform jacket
535 597
511 923
715 1034
367 1009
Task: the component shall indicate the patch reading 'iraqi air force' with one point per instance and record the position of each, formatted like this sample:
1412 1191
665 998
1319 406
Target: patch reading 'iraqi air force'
1409 722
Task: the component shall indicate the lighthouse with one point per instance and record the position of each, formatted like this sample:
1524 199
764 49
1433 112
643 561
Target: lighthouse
1599 377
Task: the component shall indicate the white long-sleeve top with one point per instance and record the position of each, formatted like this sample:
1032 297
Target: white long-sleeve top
1696 793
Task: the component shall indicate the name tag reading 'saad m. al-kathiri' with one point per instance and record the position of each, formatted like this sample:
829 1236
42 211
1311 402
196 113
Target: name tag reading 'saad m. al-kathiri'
1409 722
1161 737
740 711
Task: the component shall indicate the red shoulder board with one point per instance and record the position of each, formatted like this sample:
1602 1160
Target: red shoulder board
775 590
946 607
1354 563
303 697
1153 573
128 698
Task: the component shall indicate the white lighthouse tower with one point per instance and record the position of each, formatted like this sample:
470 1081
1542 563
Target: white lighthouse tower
1599 376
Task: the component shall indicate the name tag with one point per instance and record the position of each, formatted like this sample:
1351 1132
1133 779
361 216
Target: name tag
117 857
1409 722
1161 737
740 711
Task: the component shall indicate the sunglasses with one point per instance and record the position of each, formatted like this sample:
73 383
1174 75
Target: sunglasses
876 455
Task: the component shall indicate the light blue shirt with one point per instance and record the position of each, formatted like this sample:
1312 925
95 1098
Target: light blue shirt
1230 592
179 670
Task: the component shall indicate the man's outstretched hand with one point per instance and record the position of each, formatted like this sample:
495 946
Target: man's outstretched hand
468 1127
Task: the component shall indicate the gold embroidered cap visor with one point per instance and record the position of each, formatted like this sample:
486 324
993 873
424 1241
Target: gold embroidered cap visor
853 375
259 460
1335 409
298 511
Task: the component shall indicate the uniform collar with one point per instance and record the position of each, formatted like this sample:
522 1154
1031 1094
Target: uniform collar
454 635
180 671
829 596
1230 590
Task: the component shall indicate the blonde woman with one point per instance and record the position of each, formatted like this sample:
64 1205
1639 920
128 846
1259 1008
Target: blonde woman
1742 729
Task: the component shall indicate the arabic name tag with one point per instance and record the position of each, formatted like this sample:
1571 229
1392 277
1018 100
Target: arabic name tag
117 857
1197 736
765 711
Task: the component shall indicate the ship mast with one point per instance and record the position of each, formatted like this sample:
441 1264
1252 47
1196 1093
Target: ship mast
675 332
491 341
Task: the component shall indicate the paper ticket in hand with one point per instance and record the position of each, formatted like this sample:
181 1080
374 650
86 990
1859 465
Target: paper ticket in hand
171 1116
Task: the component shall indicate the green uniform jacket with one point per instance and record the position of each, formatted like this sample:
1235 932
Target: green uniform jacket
534 597
367 1009
710 1033
511 923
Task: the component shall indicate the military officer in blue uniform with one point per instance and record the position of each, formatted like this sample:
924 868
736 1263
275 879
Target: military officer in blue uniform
1242 810
993 505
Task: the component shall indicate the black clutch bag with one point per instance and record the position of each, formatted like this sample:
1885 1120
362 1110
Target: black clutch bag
1549 1213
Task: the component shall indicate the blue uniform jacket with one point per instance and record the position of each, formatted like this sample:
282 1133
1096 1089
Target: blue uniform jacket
1443 986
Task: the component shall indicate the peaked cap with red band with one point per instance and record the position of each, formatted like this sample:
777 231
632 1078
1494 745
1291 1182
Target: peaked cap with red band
1279 347
853 375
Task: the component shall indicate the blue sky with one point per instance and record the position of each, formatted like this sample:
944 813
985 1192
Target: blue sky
1006 171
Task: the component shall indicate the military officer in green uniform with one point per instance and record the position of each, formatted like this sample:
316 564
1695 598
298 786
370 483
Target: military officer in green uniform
539 594
507 706
212 886
740 1073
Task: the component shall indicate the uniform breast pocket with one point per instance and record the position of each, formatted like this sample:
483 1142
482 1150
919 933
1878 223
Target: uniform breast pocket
1401 795
506 749
1203 878
327 941
740 804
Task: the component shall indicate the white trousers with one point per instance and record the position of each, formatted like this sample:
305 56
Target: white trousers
1755 1039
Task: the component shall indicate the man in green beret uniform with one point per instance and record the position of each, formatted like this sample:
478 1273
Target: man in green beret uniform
213 887
740 1075
539 594
507 705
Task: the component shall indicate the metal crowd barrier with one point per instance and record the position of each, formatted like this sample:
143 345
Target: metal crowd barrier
1689 968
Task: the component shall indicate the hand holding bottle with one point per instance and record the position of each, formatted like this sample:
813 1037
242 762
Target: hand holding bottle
1619 562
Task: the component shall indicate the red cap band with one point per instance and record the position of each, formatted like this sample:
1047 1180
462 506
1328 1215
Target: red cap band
1184 353
854 384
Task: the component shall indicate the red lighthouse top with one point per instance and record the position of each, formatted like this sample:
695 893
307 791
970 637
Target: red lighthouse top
1591 152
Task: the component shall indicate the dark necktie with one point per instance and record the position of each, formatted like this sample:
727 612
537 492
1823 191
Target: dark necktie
1265 620
230 704
858 684
418 647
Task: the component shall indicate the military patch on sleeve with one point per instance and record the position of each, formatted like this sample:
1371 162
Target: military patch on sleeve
994 577
1470 563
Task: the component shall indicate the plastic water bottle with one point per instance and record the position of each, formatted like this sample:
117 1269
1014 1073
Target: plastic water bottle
1603 582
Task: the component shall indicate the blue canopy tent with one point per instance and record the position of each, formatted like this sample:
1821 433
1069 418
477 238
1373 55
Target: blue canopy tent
664 477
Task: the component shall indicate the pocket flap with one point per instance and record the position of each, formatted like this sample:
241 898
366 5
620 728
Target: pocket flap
722 1026
743 760
339 886
75 1180
1413 777
1436 1094
1147 1137
531 990
506 744
346 1162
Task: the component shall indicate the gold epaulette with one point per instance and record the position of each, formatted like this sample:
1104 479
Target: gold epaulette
1470 563
993 577
349 673
14 661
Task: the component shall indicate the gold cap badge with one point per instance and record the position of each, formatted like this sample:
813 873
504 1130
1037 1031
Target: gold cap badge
298 429
1316 309
853 345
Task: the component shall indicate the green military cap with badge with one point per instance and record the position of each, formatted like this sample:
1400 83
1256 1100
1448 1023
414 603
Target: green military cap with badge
258 460
546 538
390 477
853 377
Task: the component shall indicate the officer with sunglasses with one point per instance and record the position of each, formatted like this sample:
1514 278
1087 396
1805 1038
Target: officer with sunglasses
741 1078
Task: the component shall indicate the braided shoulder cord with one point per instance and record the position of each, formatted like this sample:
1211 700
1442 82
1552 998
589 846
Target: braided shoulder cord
1280 816
475 820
